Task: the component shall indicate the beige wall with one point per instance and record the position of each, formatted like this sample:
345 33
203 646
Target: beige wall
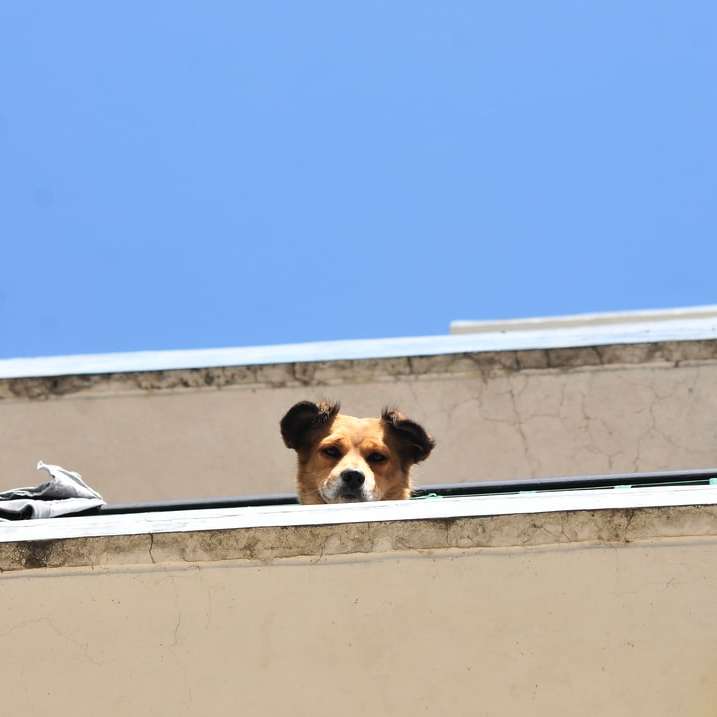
594 629
496 416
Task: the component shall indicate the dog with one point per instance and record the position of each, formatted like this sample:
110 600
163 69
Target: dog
342 459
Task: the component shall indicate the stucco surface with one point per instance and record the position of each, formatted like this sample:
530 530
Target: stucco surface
620 630
496 416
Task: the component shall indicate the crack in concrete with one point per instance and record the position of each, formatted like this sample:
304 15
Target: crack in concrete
176 630
519 426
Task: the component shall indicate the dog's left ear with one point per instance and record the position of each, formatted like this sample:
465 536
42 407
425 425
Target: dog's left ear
416 443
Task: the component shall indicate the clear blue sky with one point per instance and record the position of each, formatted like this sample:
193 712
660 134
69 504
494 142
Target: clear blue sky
200 174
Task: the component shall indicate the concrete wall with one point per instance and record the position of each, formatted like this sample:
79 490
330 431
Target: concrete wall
610 613
496 415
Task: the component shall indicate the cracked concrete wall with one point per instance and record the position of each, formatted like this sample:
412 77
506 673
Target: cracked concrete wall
498 416
493 631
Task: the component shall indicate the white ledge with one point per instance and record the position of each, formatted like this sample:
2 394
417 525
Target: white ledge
585 320
297 515
696 329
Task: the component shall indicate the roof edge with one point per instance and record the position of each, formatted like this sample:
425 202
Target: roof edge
626 332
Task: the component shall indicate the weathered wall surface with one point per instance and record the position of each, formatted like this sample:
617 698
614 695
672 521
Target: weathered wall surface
497 416
596 629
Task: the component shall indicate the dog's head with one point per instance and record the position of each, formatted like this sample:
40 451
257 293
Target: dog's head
343 459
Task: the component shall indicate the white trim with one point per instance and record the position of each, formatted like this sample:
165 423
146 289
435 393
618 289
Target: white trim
297 515
584 320
624 333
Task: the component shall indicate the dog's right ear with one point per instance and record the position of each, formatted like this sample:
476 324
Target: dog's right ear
304 417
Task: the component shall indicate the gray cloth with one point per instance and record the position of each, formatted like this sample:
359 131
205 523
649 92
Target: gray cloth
63 494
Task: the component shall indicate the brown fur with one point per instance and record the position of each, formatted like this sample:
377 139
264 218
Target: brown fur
328 444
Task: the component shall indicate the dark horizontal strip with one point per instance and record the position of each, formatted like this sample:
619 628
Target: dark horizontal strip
570 483
663 478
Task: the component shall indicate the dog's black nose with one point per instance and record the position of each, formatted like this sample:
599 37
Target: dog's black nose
352 479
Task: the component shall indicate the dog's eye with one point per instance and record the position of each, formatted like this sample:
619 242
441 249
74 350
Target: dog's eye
331 452
375 458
